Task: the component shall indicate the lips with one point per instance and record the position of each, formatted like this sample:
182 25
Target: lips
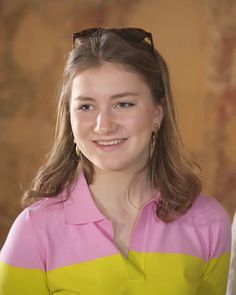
110 142
109 145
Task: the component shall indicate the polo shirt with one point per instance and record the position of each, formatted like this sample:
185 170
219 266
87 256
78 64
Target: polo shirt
66 246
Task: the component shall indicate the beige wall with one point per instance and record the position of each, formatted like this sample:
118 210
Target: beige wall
198 40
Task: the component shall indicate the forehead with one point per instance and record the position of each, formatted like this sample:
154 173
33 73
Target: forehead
108 77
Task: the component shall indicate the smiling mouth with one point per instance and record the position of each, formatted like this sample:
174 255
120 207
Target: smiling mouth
110 142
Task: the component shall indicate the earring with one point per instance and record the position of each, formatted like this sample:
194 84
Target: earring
77 149
154 137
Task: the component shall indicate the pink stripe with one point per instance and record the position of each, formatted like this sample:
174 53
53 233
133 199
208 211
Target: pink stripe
21 248
40 237
205 221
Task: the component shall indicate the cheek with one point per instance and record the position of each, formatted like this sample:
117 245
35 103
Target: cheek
80 126
142 121
74 123
141 126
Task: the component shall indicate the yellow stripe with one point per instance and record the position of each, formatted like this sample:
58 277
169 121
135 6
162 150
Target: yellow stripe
150 273
22 281
147 273
215 271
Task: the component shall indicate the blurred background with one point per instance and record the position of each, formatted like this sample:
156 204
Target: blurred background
198 41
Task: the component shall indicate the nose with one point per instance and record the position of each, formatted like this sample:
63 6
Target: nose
105 122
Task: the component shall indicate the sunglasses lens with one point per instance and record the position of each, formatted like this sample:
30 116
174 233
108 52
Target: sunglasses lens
84 34
133 35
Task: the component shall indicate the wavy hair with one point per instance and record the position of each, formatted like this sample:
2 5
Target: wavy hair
169 167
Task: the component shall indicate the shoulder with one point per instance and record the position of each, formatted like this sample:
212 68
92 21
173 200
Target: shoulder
35 217
207 210
37 212
44 214
44 206
26 242
212 226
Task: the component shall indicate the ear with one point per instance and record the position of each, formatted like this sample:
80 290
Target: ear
158 115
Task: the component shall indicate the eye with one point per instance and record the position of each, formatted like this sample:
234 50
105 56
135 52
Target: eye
86 107
124 105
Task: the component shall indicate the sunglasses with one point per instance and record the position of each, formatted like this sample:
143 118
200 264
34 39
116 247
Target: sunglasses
132 35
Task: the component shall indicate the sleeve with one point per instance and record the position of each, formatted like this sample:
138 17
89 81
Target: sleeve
22 267
216 269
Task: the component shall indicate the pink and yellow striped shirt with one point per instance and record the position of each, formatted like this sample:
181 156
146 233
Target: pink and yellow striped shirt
68 248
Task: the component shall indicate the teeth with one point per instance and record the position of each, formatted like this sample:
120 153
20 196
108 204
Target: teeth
112 142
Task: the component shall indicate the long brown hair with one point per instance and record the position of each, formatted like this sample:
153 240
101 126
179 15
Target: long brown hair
169 168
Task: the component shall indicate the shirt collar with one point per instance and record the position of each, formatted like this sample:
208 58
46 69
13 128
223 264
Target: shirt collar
80 207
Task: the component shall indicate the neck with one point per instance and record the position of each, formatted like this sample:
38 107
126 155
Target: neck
115 189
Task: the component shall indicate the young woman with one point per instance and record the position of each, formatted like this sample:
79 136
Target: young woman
118 208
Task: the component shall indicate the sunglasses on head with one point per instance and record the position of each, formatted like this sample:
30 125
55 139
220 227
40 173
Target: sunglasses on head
133 35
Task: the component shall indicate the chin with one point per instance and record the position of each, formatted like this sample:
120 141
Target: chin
116 167
109 168
119 164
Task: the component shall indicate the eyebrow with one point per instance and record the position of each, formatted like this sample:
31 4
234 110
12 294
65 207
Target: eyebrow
115 96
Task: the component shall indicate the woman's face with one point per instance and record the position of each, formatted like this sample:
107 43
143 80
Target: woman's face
112 117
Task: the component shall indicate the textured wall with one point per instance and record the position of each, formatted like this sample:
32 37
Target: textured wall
196 37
